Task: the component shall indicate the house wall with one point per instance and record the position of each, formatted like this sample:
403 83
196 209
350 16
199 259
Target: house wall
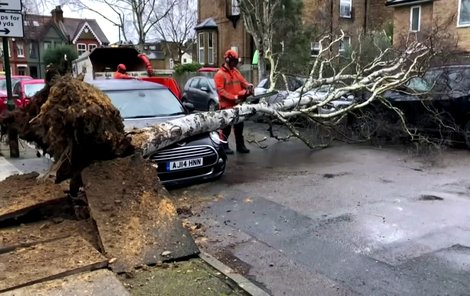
227 36
369 15
401 23
446 14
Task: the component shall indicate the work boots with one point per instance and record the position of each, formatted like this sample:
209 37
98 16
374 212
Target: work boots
241 148
227 148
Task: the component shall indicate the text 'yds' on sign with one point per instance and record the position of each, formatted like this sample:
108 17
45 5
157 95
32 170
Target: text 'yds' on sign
11 24
10 5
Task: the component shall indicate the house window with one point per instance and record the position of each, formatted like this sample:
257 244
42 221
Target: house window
81 48
464 13
201 52
415 18
91 47
47 45
210 49
20 50
345 7
33 50
345 43
22 70
235 7
315 48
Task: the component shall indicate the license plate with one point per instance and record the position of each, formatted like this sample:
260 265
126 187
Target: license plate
184 164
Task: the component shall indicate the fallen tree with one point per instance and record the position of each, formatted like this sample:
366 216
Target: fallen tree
77 123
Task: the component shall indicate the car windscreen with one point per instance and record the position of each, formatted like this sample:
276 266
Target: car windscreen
3 83
31 89
212 83
135 103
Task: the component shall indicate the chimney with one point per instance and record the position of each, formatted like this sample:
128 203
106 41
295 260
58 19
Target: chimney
57 14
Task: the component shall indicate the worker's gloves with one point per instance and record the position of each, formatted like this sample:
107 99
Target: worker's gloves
250 89
243 94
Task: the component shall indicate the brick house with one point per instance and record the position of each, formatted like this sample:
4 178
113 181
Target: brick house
423 18
351 16
219 29
44 32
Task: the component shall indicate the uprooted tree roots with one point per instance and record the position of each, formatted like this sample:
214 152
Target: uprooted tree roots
74 122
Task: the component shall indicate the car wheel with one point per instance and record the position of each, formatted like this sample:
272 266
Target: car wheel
467 134
212 106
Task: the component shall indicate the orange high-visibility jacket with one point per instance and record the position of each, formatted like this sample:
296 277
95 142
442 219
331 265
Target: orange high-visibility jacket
229 83
119 75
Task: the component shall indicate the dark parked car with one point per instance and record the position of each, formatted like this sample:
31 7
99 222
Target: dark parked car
141 103
437 104
200 91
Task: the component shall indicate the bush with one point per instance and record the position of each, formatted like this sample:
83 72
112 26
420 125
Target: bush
61 57
193 67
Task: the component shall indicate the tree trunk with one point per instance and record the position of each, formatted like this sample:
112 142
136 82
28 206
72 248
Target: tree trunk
152 139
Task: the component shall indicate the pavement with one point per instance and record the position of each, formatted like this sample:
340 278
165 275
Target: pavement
27 162
101 282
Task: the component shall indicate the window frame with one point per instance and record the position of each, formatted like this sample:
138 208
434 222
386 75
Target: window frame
459 24
201 58
47 45
92 46
20 48
419 18
210 49
78 48
312 48
343 2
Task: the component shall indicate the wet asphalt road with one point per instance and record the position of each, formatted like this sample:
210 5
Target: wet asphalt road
347 220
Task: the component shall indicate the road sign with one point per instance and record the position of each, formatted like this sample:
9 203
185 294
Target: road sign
10 5
11 24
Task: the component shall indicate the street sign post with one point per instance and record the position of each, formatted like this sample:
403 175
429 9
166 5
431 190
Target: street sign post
11 24
10 5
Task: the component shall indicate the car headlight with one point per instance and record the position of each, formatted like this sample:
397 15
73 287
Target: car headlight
215 137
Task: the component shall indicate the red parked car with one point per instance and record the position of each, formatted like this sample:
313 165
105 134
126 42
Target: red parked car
22 91
3 88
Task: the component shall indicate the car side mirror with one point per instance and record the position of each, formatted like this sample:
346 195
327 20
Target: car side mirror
189 107
203 88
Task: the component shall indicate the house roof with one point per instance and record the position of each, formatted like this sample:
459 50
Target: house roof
405 2
36 26
208 23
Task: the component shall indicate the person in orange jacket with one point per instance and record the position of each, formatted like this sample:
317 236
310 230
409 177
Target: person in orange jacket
233 89
121 72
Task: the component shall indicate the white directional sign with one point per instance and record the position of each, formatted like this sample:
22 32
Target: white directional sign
11 24
10 4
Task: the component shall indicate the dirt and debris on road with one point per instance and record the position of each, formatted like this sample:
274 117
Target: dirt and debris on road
46 261
22 193
174 279
137 222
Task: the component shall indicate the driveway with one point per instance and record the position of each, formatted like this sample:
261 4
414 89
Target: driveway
347 220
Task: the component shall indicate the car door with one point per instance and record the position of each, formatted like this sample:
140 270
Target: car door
204 93
191 95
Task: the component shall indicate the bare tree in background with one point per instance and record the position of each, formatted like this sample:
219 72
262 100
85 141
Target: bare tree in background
259 19
35 6
131 16
177 28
